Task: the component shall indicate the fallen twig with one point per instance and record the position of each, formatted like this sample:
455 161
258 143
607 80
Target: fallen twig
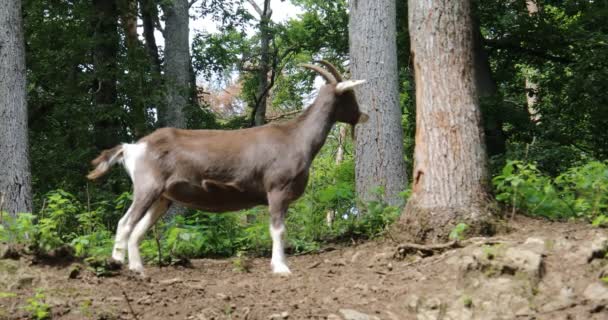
124 293
425 250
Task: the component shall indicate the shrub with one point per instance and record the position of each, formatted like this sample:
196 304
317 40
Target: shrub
580 192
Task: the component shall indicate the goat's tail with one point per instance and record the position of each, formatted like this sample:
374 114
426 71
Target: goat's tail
104 161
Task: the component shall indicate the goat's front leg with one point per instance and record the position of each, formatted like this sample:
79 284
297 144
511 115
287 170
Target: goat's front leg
278 209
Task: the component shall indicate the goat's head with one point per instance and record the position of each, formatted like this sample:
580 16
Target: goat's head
345 102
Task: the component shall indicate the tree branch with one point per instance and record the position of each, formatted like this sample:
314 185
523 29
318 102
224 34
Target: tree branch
509 44
283 115
191 3
256 7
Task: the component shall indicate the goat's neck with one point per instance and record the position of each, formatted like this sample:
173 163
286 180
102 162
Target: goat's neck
314 126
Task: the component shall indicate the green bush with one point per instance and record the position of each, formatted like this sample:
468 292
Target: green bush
580 192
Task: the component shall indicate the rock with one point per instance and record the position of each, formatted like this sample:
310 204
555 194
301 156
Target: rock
168 282
222 296
332 316
282 315
24 281
74 272
536 245
596 292
599 249
8 252
564 300
525 260
350 314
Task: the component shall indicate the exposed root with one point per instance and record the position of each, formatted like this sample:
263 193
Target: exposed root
428 250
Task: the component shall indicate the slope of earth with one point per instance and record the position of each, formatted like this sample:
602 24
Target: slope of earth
540 270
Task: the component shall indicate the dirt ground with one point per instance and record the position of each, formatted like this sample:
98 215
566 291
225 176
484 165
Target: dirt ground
540 270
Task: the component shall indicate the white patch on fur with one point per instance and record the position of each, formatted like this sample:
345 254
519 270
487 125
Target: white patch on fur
348 85
131 154
122 235
138 233
278 263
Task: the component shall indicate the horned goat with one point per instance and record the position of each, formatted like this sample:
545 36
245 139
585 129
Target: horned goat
227 170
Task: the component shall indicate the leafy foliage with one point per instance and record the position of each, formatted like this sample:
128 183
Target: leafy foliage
579 192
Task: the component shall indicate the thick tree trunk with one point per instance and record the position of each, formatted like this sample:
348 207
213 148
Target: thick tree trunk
177 64
149 14
486 88
107 121
451 183
379 147
259 117
15 176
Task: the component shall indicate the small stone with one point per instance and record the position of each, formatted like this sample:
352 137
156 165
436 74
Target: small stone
222 296
168 282
74 272
350 314
277 316
536 245
599 249
332 316
596 292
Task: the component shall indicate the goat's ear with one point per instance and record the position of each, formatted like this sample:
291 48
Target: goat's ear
348 85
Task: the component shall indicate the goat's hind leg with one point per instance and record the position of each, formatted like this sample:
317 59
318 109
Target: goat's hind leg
155 211
122 235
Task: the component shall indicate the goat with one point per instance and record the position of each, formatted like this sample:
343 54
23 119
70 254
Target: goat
227 170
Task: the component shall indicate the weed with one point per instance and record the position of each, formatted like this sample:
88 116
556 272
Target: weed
36 306
459 232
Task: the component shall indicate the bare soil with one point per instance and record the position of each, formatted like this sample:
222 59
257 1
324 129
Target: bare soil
540 270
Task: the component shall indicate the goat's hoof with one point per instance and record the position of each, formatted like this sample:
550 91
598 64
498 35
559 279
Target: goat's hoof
281 269
113 264
138 275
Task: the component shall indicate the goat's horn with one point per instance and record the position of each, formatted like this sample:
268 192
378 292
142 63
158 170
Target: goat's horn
324 73
348 85
332 69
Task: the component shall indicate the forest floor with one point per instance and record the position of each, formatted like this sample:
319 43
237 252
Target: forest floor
539 270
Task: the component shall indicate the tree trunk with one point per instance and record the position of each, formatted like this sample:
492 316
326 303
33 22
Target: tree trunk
451 183
264 66
15 176
531 88
330 215
149 14
495 137
128 18
107 120
379 146
177 64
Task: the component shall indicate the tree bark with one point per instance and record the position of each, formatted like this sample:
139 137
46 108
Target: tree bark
264 66
177 64
495 137
15 176
451 182
149 14
373 52
531 88
330 215
107 120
